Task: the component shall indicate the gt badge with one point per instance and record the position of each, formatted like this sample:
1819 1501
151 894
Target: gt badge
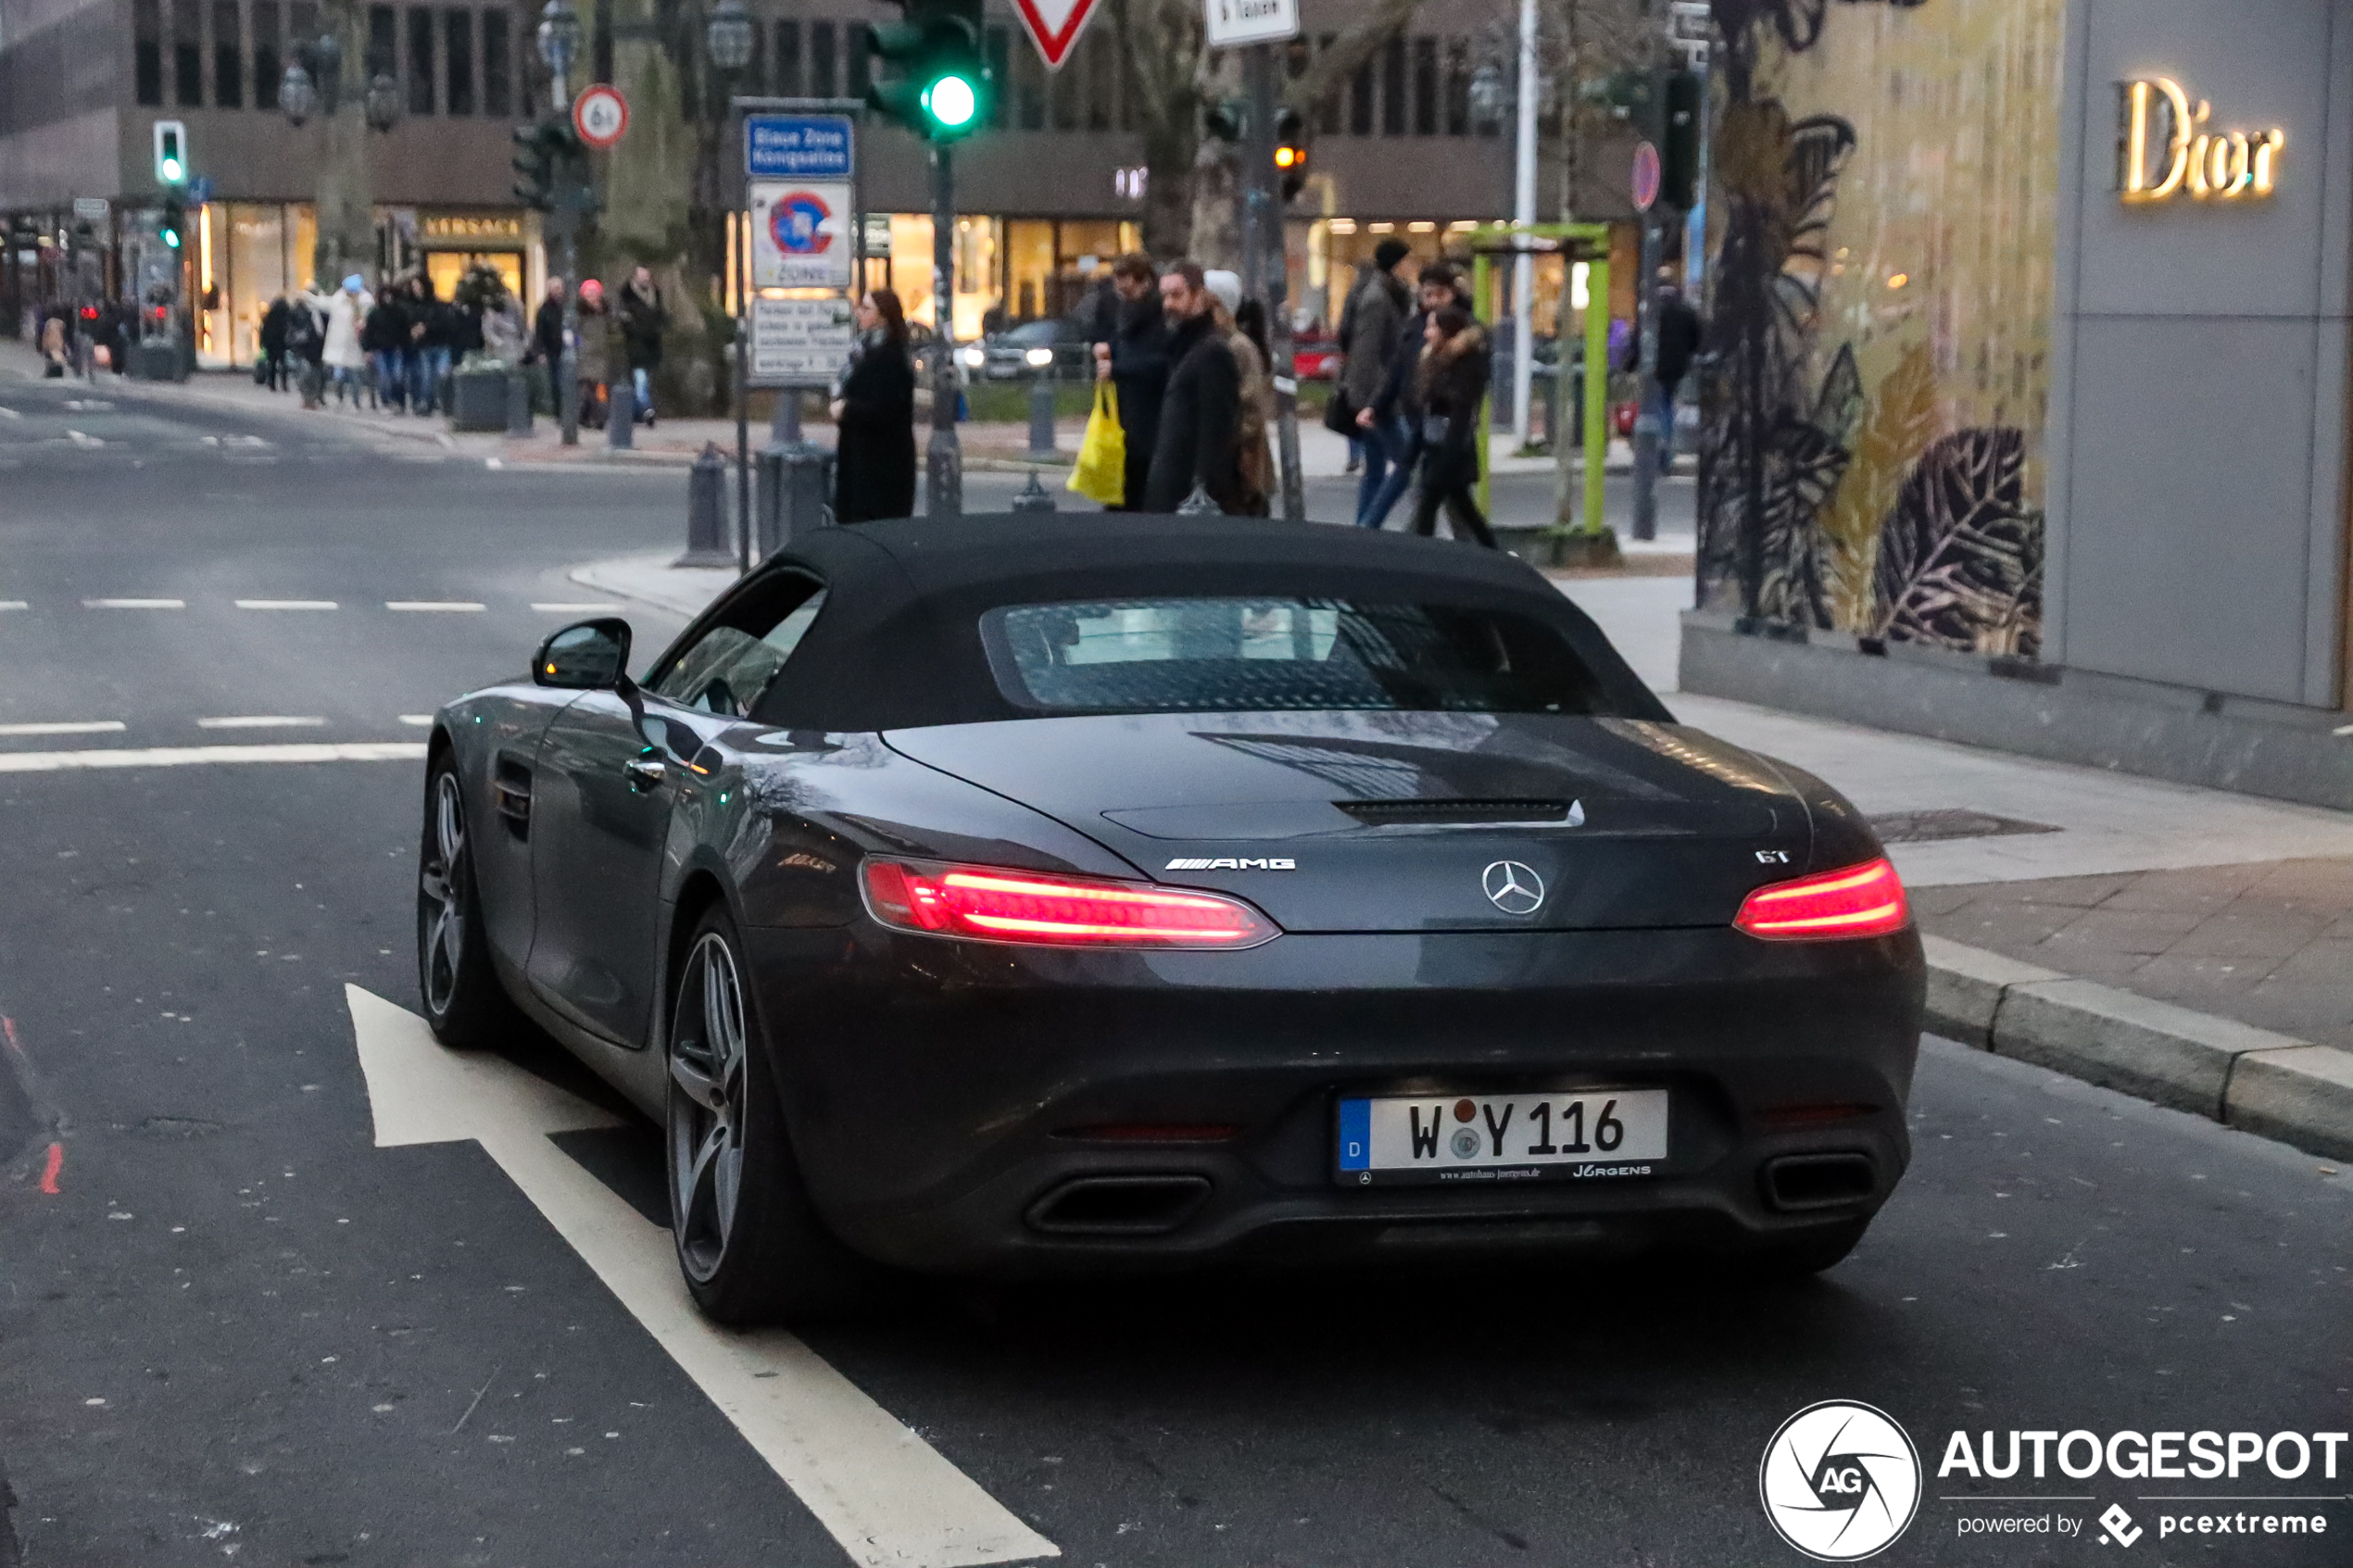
1514 888
1232 865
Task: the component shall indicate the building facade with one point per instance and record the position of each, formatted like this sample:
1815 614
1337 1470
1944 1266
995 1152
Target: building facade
2028 421
1054 185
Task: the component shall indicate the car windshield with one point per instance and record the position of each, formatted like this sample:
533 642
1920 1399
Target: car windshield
1036 334
1258 655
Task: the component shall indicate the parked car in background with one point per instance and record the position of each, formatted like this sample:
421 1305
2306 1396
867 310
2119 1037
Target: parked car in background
1314 356
1058 347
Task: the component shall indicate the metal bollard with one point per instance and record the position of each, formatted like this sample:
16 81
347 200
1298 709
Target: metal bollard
1033 496
1041 419
707 511
620 415
793 483
518 405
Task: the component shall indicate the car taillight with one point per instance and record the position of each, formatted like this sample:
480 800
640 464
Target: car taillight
1008 906
1865 900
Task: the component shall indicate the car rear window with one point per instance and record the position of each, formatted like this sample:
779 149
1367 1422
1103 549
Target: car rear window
1261 655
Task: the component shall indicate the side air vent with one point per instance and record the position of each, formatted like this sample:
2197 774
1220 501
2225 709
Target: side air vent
1449 813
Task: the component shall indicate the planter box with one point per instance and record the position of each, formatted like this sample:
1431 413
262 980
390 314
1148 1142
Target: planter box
479 401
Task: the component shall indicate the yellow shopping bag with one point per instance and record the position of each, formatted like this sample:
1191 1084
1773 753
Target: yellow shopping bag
1100 474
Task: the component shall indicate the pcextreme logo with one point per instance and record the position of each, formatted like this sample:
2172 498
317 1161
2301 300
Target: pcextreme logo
1840 1481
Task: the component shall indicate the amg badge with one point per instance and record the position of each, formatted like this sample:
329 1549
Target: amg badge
1233 865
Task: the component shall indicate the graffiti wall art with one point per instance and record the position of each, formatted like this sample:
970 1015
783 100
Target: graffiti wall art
1872 401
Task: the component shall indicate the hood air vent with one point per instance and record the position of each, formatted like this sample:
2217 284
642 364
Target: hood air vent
1426 813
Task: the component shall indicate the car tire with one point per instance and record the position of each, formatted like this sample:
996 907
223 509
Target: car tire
463 1001
748 1240
1809 1252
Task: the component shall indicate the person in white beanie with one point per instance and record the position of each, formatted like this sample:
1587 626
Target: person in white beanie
342 356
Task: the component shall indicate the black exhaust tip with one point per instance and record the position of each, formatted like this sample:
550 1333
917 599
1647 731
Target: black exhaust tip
1798 1181
1119 1205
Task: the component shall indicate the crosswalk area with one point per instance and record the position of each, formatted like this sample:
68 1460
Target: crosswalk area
397 606
194 670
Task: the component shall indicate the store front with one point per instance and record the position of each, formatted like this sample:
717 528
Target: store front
450 245
2032 432
247 254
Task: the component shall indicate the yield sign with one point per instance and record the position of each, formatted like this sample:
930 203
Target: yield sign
1054 26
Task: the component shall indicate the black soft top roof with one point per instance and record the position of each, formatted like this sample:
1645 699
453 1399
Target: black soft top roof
899 644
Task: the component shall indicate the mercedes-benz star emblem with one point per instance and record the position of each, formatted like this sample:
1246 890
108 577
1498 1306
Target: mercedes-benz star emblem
1513 888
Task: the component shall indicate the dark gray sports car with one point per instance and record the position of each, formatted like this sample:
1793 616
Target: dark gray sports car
1030 893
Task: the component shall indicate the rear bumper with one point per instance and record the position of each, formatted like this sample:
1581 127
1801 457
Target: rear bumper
942 1094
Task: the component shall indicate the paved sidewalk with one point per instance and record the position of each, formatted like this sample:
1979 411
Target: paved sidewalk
2267 943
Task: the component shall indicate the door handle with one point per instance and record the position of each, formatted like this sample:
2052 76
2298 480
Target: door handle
644 773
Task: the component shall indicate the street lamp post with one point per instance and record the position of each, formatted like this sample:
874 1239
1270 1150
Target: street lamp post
559 48
728 37
313 87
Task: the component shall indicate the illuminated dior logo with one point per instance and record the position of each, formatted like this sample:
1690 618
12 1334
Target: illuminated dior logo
2162 147
1233 865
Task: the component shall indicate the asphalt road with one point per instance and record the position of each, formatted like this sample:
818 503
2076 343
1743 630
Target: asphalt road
237 1331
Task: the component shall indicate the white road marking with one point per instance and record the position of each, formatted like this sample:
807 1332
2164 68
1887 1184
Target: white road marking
493 464
191 756
885 1494
9 414
81 440
66 727
286 603
434 605
14 603
577 609
260 721
134 604
417 721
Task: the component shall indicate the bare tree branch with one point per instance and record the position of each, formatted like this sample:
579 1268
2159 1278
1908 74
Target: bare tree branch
1355 43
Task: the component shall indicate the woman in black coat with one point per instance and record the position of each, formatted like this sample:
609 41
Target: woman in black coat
874 415
1450 378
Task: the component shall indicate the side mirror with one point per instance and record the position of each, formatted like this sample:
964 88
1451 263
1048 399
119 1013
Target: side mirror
586 656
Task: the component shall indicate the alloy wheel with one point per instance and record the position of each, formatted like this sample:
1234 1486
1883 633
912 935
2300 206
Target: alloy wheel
441 914
707 1091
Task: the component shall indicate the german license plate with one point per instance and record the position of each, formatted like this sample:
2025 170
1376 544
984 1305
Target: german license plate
1593 1132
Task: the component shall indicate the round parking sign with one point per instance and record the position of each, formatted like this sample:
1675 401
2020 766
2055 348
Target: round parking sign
600 114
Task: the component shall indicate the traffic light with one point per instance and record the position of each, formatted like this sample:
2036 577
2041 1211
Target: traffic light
175 217
1226 121
1679 138
1291 152
549 158
935 80
171 153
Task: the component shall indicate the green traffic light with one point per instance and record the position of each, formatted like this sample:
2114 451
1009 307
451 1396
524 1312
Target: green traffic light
952 102
170 170
171 238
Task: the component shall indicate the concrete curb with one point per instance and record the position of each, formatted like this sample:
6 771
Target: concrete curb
653 580
2272 1084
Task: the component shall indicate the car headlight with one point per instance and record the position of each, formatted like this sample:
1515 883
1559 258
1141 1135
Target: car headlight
1038 358
974 357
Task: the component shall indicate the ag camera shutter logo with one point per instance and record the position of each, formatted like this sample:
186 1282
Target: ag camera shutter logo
1840 1481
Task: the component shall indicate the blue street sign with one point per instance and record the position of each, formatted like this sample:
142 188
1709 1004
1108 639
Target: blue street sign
200 190
800 147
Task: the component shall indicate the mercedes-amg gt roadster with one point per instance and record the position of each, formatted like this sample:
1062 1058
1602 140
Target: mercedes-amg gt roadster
1029 893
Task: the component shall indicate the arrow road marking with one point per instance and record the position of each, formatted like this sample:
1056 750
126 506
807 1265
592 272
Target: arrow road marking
885 1494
